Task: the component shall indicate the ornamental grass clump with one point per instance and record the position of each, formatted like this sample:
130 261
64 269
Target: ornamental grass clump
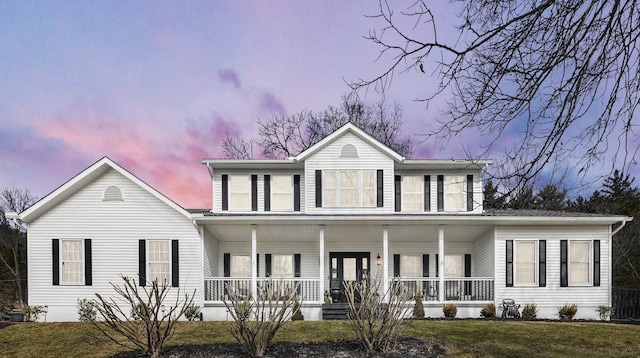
488 311
530 312
450 310
567 312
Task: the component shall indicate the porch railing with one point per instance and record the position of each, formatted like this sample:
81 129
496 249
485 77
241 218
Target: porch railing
455 289
218 288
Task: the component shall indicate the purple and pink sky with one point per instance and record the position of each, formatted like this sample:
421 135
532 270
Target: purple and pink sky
157 85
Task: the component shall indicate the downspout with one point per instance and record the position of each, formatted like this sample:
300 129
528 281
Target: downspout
624 222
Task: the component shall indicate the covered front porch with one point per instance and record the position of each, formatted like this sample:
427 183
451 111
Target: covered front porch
449 263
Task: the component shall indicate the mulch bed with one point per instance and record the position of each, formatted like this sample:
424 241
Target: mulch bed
405 347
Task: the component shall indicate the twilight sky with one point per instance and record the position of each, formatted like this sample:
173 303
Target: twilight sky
157 85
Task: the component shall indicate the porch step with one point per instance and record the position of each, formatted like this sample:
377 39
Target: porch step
335 311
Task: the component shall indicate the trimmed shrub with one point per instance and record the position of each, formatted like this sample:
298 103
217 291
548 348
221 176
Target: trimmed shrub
297 313
567 312
530 311
450 310
488 311
86 310
193 313
605 312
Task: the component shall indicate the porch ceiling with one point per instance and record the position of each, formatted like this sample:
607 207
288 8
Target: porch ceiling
344 232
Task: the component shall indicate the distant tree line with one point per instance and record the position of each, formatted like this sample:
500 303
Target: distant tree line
618 196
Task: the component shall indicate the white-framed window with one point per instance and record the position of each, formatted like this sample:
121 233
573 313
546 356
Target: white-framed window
239 192
411 266
281 192
453 266
282 266
455 193
525 262
241 266
159 260
412 193
579 262
349 188
72 261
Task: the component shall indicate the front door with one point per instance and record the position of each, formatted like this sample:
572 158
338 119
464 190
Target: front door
347 267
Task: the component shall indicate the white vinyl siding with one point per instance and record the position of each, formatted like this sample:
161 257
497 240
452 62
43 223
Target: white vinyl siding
349 188
579 262
412 193
525 262
282 266
72 262
240 266
281 193
411 265
159 255
455 193
239 193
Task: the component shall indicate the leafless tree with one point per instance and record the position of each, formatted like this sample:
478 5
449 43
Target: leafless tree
13 238
286 136
561 76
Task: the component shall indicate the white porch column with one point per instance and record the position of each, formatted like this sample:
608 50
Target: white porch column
322 277
385 257
254 261
440 262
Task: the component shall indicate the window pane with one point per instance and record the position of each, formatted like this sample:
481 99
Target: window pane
241 266
72 261
159 255
452 266
579 262
368 187
282 192
239 192
349 269
329 192
411 266
455 195
412 193
525 262
282 266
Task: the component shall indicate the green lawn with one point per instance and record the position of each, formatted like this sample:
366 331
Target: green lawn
465 338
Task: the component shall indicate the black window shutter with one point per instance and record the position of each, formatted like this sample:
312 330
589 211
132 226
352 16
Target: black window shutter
227 265
318 188
88 280
296 192
267 193
425 265
596 262
427 193
440 192
380 188
396 265
55 262
437 266
297 266
469 192
175 264
564 273
142 262
398 194
254 193
542 263
257 265
267 265
509 271
225 192
467 273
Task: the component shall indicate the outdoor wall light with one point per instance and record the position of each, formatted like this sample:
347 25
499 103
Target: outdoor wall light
378 260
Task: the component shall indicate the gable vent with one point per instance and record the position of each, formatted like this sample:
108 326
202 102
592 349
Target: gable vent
112 193
349 151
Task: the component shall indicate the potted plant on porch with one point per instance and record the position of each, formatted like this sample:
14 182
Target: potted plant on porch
335 289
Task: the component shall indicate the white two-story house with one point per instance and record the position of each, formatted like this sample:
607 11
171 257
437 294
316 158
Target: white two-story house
346 208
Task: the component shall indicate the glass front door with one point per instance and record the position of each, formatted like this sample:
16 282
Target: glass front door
345 268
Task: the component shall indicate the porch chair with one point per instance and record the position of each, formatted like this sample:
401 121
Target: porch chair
510 309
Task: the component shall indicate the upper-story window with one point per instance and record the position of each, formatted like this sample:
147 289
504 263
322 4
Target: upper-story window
455 193
349 188
239 192
281 192
412 193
